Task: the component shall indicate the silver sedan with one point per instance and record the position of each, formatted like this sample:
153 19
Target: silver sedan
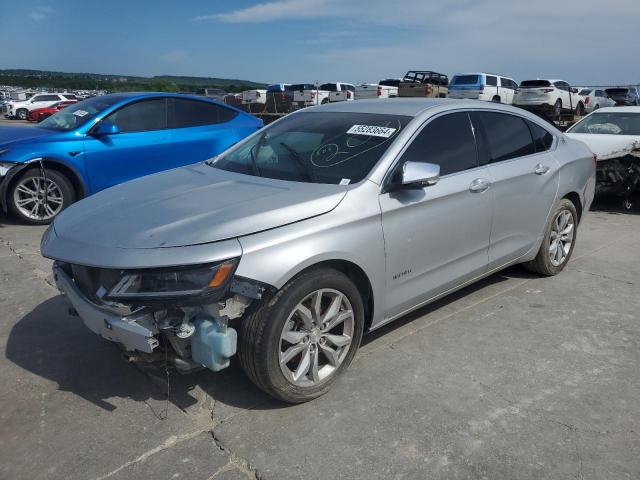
327 224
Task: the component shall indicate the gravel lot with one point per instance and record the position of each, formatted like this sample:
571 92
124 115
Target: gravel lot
516 377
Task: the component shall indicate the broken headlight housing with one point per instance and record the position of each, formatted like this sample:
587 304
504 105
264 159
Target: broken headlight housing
171 283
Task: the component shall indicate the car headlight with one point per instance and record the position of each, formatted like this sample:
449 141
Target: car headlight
5 166
173 282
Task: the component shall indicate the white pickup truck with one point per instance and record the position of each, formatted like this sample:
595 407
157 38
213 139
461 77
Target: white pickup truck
254 96
384 89
326 93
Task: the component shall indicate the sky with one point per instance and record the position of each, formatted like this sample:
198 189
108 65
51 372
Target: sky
585 42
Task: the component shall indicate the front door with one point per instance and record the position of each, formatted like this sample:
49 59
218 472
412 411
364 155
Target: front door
436 238
141 147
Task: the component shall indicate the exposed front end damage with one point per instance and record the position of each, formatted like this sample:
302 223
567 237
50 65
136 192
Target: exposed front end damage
618 173
189 332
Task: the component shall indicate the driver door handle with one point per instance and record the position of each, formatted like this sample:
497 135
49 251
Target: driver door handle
479 185
541 169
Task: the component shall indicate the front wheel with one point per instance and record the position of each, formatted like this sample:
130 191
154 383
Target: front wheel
558 242
39 195
296 345
22 114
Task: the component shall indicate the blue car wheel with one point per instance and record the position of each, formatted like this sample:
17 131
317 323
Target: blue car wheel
37 196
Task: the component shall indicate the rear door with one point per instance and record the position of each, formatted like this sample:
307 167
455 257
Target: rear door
437 237
142 147
524 176
491 87
199 130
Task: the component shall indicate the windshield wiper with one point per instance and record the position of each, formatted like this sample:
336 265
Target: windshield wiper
309 171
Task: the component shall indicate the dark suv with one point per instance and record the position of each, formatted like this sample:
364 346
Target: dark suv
624 96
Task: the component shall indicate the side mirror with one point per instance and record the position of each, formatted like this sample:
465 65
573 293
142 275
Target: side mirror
105 127
419 174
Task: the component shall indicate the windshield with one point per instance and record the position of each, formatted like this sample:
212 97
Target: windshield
465 80
617 91
535 84
323 147
302 86
609 123
78 114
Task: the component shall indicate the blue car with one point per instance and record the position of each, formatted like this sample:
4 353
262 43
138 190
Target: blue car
107 140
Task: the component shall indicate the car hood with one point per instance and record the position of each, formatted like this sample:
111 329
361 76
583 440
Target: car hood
189 206
609 146
11 134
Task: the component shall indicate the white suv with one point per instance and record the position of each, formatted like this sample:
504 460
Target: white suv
482 86
551 97
21 109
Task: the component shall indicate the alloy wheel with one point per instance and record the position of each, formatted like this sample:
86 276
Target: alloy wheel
38 198
316 337
561 238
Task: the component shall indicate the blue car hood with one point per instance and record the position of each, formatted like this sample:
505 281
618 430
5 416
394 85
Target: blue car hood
10 134
189 206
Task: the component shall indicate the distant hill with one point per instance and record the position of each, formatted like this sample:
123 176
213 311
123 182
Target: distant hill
119 83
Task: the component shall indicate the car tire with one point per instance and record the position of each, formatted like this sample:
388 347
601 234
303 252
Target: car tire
26 200
557 109
580 110
558 243
277 343
324 101
22 114
496 99
596 107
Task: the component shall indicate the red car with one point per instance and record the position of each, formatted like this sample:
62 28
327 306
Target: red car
40 114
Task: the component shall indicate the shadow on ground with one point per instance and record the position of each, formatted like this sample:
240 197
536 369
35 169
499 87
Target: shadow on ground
50 343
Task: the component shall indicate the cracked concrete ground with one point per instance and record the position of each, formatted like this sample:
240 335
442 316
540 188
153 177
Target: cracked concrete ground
515 377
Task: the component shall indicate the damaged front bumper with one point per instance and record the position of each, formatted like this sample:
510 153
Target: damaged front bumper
134 333
190 337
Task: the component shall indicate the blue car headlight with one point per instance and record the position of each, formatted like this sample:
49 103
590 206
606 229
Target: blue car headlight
171 283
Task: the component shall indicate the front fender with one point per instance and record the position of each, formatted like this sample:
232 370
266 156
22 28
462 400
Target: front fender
42 161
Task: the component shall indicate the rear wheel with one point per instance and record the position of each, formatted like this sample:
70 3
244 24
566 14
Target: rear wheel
558 242
496 99
296 345
36 199
580 110
557 108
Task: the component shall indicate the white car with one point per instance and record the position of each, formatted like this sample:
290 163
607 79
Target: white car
550 97
595 98
21 109
482 86
613 135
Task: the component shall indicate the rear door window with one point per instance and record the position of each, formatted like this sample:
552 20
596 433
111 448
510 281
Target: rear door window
507 136
193 113
446 141
492 81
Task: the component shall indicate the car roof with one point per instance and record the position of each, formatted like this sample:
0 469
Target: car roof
484 73
411 107
618 109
